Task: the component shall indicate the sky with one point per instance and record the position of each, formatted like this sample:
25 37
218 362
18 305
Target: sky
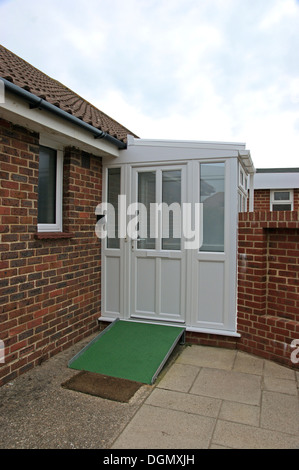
207 70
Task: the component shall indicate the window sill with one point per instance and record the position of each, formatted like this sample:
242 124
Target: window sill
52 235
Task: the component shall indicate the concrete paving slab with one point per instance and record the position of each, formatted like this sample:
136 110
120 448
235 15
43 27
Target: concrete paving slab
206 356
276 370
275 384
241 436
240 413
248 364
159 428
280 412
228 385
186 402
179 377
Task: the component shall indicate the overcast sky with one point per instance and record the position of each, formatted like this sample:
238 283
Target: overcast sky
216 70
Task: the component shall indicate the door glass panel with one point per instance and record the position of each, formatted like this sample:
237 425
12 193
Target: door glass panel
112 215
212 198
146 196
171 217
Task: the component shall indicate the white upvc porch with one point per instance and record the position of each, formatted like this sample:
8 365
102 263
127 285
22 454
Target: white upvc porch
169 280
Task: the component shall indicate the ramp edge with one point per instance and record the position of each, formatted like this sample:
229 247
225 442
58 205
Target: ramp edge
95 339
181 334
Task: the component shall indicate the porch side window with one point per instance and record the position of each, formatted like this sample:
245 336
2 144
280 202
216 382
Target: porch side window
50 190
112 198
212 179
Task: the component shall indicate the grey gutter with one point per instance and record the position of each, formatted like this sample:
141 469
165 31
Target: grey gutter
36 102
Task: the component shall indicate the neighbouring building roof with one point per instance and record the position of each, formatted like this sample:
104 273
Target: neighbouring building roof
276 178
24 75
277 170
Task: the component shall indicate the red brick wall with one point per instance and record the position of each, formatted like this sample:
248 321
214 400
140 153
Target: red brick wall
268 288
283 269
49 287
262 200
268 284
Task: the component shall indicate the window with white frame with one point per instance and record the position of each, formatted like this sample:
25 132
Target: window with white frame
242 190
50 188
281 200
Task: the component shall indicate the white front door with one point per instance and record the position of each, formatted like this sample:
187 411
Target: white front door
157 257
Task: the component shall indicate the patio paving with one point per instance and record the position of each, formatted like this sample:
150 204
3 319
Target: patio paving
213 398
205 398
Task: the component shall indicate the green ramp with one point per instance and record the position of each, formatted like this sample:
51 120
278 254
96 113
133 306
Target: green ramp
129 350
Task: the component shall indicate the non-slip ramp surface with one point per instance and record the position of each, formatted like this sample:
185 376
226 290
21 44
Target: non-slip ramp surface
129 350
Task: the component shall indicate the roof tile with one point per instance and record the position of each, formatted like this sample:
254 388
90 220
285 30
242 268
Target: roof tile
24 75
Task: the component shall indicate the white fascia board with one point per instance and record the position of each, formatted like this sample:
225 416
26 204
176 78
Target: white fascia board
239 146
247 162
165 151
276 181
17 111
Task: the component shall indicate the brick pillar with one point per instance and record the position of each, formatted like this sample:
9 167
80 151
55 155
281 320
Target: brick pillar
252 277
268 284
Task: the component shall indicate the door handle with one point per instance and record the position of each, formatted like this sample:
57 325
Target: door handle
135 240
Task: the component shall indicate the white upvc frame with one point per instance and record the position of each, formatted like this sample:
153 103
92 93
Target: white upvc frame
57 227
281 201
116 255
242 189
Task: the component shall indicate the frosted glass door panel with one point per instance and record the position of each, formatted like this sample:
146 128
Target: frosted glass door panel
146 196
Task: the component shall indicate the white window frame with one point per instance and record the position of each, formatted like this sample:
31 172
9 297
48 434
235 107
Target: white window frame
281 201
57 227
242 190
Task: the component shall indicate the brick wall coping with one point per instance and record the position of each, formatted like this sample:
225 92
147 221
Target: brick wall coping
267 219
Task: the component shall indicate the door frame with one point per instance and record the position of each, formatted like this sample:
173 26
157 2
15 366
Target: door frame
160 256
